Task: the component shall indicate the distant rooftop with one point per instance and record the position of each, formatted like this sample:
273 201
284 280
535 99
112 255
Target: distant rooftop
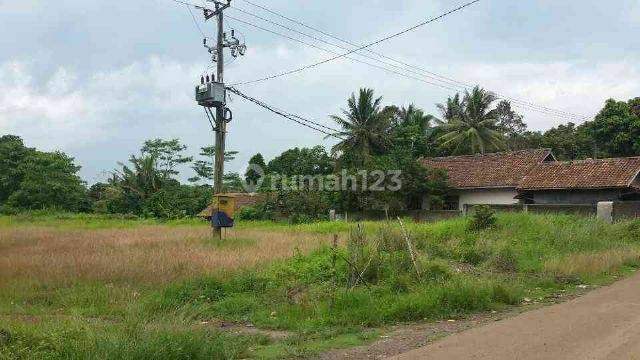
583 174
495 170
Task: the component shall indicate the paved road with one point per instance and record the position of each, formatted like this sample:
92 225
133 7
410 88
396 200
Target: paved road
604 324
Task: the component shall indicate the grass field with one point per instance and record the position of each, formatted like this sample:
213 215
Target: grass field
90 287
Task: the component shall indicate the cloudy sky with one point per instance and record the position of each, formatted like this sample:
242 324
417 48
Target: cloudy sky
96 78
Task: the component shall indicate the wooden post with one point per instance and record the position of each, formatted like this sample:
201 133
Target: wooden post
410 246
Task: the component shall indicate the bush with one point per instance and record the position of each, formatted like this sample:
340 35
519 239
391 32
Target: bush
8 210
483 218
248 213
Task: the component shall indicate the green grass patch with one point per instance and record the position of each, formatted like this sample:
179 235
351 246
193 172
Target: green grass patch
461 272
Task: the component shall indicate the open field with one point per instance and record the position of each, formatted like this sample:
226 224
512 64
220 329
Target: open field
78 287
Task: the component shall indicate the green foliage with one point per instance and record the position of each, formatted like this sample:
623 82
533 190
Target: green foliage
616 129
304 161
483 217
167 154
12 154
304 206
247 213
252 176
569 142
175 320
204 169
505 260
177 201
363 129
470 125
613 133
74 340
49 180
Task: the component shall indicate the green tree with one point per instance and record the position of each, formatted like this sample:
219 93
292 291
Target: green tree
568 142
12 154
304 161
232 183
49 180
616 129
204 169
453 109
472 127
363 129
411 128
143 179
251 176
168 154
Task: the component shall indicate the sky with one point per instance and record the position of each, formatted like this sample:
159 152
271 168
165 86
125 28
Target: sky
95 79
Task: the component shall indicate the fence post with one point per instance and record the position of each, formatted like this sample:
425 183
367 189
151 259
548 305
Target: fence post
605 211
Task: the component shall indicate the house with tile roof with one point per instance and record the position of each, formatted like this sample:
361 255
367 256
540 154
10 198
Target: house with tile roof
535 177
582 181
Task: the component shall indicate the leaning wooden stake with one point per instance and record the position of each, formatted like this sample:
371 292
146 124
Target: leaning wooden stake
410 246
334 275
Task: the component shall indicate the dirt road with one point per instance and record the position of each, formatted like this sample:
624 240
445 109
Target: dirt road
604 324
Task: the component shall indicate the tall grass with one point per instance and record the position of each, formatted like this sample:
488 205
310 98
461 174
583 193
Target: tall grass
144 254
82 287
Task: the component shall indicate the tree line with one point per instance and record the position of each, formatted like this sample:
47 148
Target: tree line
372 137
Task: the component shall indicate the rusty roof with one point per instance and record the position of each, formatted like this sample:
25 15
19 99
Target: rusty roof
495 170
583 174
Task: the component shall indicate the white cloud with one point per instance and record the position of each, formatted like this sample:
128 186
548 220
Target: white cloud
87 115
577 88
65 112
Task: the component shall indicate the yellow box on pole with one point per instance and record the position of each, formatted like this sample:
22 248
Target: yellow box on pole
224 203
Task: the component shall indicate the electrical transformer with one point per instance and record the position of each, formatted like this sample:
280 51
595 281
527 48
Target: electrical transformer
211 94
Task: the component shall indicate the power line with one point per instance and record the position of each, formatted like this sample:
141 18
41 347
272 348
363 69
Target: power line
448 83
456 88
424 71
320 40
295 118
335 53
195 21
303 68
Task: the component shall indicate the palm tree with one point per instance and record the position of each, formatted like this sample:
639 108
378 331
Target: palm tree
143 180
363 129
414 116
453 109
471 124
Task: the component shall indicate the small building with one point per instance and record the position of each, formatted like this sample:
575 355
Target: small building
241 200
582 182
489 179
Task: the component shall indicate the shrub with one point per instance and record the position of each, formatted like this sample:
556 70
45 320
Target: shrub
8 210
248 213
483 218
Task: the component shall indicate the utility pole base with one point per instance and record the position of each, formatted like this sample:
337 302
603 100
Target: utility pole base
217 233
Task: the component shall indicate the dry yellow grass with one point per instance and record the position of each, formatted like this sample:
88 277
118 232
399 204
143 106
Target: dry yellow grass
145 254
592 263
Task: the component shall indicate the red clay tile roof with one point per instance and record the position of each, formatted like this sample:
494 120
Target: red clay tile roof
583 174
495 170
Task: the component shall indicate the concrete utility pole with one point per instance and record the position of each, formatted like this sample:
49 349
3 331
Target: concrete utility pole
212 92
221 124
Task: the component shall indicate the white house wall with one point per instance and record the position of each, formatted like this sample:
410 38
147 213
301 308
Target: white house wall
487 197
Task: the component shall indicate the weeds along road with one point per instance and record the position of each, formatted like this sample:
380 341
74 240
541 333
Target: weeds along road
604 324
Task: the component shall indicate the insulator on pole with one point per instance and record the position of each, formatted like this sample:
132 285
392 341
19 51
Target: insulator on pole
202 80
208 78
